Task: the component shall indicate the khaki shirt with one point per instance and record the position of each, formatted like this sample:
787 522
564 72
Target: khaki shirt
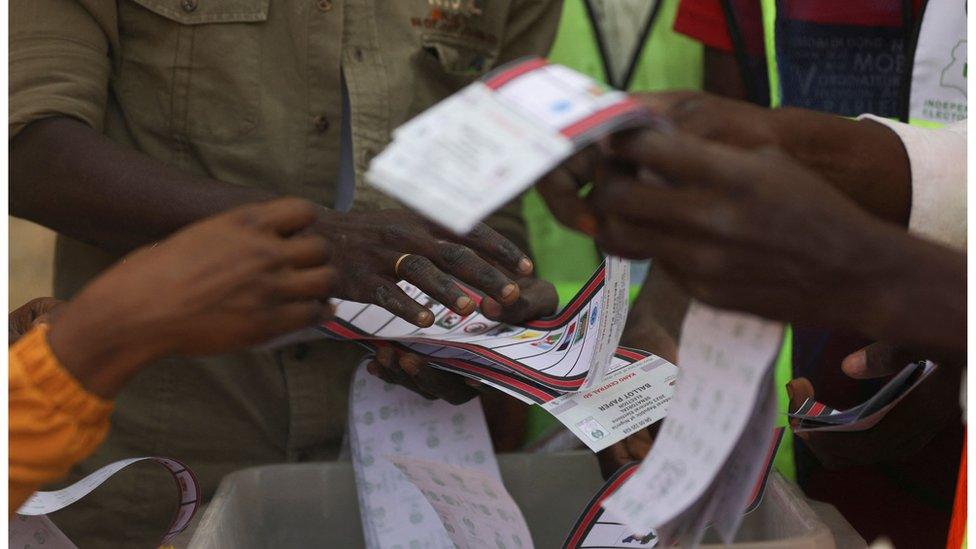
248 92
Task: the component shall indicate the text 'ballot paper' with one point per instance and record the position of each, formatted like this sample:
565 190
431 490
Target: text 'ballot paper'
387 420
476 509
631 399
724 361
476 150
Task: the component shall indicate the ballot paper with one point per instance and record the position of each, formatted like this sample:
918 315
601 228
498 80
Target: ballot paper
633 398
725 359
475 509
566 352
29 532
386 420
478 149
32 528
597 529
815 416
736 485
556 362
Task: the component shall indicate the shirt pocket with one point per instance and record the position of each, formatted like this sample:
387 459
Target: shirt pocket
460 57
189 68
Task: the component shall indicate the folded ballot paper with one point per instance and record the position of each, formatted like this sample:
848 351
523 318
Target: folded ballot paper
712 445
388 420
570 363
815 416
31 528
468 155
596 529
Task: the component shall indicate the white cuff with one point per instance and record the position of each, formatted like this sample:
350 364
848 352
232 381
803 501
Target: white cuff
938 162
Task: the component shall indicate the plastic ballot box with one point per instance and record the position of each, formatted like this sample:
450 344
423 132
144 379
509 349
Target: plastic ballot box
315 505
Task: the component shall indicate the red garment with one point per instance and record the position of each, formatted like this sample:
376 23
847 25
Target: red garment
704 20
957 528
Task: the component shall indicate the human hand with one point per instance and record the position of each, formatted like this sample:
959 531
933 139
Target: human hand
715 118
633 448
537 298
903 431
749 231
225 283
374 250
27 316
863 159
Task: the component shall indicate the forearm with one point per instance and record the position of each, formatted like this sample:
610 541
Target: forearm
68 177
863 159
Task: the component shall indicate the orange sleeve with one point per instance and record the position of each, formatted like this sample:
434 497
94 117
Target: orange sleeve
54 421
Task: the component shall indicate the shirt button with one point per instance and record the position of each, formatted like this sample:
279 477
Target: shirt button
188 5
325 5
321 123
358 54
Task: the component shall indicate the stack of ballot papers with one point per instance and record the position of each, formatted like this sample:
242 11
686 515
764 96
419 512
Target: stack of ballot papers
715 440
386 420
570 363
596 529
468 155
815 416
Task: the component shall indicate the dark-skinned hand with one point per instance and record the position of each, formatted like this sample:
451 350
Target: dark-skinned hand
863 159
368 246
222 284
537 298
754 231
907 427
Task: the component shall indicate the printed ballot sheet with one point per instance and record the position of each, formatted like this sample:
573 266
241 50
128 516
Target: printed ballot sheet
631 399
476 150
476 510
387 420
32 528
815 416
570 350
33 531
724 360
597 529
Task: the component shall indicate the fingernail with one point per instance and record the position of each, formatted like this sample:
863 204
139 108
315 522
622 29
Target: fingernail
509 290
410 366
463 303
425 318
490 308
472 383
586 224
855 362
525 266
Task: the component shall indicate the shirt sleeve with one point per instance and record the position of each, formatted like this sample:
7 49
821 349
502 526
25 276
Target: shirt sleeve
59 60
54 422
704 21
938 163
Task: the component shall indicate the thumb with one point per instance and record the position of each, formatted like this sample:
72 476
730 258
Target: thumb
665 103
876 360
798 390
